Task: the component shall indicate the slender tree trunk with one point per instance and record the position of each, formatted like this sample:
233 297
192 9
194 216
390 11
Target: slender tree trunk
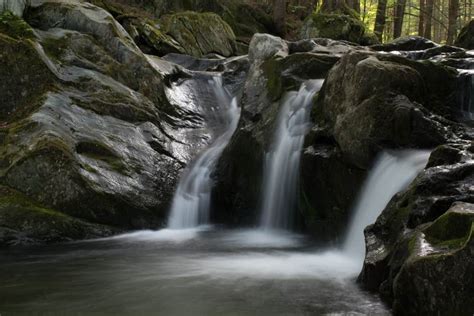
421 18
380 19
279 16
452 20
428 18
398 18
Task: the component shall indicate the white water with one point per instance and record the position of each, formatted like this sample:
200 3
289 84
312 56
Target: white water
283 162
191 201
392 172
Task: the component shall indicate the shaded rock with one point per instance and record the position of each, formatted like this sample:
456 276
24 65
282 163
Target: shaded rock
191 33
407 43
337 27
23 221
372 101
465 38
329 187
410 259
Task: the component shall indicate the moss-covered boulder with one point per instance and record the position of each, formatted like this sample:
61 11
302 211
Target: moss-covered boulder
24 221
419 251
337 27
191 33
200 33
371 101
465 38
79 134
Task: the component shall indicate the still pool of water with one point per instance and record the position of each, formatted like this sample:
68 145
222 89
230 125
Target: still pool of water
184 272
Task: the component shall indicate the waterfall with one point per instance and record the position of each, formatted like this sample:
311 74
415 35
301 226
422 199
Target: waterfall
283 162
392 172
191 201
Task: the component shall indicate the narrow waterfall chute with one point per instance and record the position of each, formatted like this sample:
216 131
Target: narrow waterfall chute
392 172
191 202
283 161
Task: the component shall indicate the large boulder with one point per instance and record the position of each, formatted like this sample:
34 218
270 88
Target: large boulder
420 249
465 38
81 137
406 43
191 33
337 27
372 101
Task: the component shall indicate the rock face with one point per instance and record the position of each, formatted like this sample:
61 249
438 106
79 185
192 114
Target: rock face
420 250
465 38
392 108
337 27
244 19
191 33
81 137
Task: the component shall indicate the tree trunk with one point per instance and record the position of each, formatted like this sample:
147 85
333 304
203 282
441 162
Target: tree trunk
380 19
279 16
421 18
428 18
398 18
452 20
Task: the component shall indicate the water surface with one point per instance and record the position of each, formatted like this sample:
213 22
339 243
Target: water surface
199 271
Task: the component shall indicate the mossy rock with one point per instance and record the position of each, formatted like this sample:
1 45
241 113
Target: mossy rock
24 78
14 26
337 27
24 221
439 274
199 34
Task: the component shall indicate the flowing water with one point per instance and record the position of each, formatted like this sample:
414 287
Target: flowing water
392 172
283 162
191 202
197 271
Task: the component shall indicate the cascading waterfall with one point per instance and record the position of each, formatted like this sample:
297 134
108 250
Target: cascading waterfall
191 201
392 172
283 162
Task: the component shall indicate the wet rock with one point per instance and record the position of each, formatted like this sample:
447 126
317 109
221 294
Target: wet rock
24 222
80 135
407 43
337 27
273 71
420 248
465 38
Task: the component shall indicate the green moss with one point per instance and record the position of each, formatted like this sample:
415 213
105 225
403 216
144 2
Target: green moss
15 27
272 72
451 230
101 153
